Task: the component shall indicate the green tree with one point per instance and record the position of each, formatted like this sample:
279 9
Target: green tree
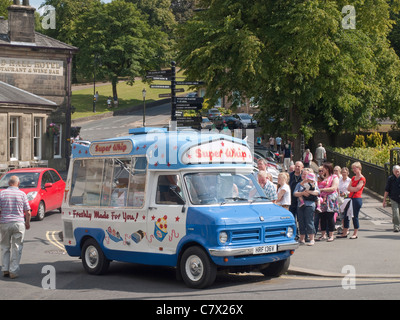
302 68
159 13
68 12
4 4
183 9
119 35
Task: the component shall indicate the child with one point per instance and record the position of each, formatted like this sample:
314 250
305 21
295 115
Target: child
309 184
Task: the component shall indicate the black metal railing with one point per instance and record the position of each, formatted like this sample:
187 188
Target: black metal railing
375 175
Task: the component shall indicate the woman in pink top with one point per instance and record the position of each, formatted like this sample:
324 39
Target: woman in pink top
329 204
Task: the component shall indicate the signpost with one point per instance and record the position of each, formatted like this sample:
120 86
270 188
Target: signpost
160 86
178 103
189 121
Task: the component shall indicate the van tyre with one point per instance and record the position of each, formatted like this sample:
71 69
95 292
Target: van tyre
93 259
276 269
197 269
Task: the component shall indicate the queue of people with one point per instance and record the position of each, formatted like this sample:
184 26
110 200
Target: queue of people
319 201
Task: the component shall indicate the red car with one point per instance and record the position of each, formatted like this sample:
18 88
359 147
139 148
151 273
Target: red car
43 186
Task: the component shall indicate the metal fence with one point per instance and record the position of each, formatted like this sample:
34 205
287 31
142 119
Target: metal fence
376 176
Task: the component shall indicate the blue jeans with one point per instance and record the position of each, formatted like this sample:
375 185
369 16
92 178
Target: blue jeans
356 203
305 217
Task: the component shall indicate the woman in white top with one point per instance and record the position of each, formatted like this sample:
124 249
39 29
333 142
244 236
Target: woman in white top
284 195
344 183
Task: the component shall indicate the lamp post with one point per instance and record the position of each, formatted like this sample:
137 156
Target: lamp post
144 106
95 96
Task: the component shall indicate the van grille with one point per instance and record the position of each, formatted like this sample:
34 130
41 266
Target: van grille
274 233
246 236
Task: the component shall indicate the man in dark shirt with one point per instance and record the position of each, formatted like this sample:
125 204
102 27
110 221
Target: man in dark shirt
392 190
294 179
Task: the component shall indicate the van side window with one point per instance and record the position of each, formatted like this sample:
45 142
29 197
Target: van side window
86 184
111 182
169 190
107 183
137 182
120 182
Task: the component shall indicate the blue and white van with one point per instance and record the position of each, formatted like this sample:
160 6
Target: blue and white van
187 200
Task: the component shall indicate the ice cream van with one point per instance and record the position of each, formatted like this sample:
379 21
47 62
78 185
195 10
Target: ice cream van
187 200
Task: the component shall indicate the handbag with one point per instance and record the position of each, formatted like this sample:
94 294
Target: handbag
347 206
344 208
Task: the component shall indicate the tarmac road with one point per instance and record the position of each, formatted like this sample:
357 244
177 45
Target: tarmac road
119 125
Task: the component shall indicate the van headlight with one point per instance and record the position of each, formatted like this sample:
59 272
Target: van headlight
223 237
31 195
289 232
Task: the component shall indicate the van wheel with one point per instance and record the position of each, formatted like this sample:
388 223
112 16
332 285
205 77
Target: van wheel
276 269
197 269
93 259
41 211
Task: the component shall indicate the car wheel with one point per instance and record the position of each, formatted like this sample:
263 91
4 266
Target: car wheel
93 259
197 269
41 211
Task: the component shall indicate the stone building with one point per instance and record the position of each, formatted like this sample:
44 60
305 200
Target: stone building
35 91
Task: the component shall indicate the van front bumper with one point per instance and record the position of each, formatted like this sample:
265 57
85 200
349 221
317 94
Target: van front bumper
247 251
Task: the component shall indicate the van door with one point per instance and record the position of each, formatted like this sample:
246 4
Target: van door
166 221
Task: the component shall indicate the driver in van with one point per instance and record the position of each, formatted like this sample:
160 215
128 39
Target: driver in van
165 183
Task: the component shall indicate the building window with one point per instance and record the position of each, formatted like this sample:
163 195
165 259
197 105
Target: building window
37 138
14 138
57 143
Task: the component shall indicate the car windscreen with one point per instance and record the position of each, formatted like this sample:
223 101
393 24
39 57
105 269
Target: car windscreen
26 179
245 116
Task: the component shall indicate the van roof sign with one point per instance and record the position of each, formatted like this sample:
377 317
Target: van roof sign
217 151
170 150
115 147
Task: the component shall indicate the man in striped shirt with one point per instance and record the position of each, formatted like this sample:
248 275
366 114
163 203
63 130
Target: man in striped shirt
15 217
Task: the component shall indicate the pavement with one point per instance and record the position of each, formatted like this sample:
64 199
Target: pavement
375 254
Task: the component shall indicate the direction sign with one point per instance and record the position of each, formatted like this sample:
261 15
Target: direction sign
187 103
189 119
164 95
189 100
188 106
189 83
159 78
160 73
160 86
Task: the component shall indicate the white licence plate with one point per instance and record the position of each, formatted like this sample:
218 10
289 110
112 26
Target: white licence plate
265 249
